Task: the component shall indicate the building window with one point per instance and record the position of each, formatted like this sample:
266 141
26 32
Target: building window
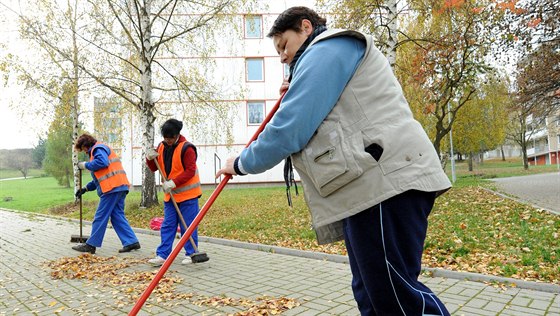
255 112
112 138
254 69
253 26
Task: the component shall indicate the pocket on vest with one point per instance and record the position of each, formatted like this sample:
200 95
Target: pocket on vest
328 158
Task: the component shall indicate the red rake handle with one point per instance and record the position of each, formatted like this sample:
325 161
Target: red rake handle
196 221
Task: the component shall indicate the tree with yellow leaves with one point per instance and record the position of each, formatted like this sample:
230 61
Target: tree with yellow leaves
481 125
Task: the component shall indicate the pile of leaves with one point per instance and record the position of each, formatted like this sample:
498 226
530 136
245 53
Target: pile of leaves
110 271
264 305
128 286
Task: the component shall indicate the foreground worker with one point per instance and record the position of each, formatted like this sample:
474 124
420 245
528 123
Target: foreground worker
111 183
177 159
370 174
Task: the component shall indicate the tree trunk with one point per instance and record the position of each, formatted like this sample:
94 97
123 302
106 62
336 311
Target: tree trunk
392 38
67 182
149 192
471 161
444 159
503 154
437 144
75 102
524 153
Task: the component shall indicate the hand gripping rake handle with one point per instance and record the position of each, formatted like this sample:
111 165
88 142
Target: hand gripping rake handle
136 308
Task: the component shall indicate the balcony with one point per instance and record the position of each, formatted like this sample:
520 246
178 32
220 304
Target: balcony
538 134
538 150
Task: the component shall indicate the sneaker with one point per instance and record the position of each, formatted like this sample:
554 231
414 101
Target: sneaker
187 260
84 248
130 247
157 261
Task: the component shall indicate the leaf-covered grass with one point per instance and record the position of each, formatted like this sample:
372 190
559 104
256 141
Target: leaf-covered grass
474 230
470 229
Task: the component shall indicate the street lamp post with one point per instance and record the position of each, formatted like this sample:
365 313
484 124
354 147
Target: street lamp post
453 177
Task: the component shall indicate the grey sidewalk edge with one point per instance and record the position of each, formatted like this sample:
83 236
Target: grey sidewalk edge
435 272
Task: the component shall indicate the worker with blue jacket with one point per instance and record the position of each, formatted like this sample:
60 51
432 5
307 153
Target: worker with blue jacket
111 184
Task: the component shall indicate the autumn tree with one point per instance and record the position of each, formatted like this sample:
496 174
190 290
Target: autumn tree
136 43
530 28
58 155
528 111
134 47
18 159
442 68
50 29
481 124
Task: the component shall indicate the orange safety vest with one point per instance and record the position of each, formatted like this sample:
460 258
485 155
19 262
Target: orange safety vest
114 175
188 190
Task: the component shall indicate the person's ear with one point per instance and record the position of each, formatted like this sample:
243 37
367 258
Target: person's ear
306 27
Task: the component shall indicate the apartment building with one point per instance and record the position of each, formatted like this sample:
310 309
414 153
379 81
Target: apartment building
544 143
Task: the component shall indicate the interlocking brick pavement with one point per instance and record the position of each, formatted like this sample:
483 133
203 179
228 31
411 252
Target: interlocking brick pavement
322 287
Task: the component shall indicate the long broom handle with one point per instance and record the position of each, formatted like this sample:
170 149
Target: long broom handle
176 206
81 207
136 308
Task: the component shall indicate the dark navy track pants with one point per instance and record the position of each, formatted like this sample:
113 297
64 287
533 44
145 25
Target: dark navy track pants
111 206
385 245
189 210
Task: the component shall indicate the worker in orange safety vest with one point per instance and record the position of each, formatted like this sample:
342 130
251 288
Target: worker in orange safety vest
177 159
111 183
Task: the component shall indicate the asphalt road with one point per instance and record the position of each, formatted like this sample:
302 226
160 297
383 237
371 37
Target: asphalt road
540 190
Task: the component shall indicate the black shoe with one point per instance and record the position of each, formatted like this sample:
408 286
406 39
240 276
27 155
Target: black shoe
84 248
130 247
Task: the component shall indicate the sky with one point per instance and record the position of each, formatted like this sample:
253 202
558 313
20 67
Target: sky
18 128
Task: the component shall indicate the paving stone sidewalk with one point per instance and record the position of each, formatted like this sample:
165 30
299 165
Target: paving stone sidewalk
321 287
540 190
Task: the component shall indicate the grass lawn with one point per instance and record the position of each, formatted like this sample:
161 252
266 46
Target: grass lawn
470 228
10 173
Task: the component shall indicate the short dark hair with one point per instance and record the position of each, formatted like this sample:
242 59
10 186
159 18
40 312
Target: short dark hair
85 140
171 128
291 20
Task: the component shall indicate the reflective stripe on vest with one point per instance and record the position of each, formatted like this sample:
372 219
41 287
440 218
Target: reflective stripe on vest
188 190
114 175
